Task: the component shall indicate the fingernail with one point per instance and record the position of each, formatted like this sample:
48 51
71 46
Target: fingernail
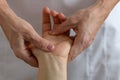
50 47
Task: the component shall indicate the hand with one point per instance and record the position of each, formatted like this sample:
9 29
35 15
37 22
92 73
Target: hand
21 36
53 65
62 42
21 42
86 24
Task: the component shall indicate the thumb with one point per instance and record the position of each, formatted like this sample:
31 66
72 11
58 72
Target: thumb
42 43
76 49
65 26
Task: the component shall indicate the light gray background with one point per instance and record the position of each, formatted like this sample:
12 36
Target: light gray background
12 68
86 65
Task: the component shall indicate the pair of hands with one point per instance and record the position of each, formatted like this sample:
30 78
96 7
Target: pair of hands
85 23
82 23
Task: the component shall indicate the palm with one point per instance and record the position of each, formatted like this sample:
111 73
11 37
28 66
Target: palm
62 43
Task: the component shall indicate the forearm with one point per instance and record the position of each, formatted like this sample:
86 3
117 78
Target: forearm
7 31
106 4
102 8
7 15
6 18
51 67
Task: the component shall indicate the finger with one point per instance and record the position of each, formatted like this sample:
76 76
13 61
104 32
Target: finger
63 18
27 57
42 43
46 25
54 15
65 26
31 60
76 48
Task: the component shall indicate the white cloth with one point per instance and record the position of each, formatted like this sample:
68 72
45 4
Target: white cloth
101 61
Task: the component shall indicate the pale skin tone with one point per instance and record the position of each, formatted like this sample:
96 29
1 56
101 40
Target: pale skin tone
20 33
85 23
53 65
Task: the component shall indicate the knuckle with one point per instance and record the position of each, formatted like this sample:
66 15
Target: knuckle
41 45
86 42
38 43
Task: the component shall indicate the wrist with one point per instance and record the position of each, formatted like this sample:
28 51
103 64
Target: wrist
51 67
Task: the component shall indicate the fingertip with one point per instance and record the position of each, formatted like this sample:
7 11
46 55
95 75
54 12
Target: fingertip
53 13
73 53
33 63
62 16
46 10
30 59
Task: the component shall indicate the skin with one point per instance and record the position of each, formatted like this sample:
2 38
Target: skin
24 34
86 23
53 65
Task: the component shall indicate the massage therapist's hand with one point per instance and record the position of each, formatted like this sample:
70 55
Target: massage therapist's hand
21 34
86 24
